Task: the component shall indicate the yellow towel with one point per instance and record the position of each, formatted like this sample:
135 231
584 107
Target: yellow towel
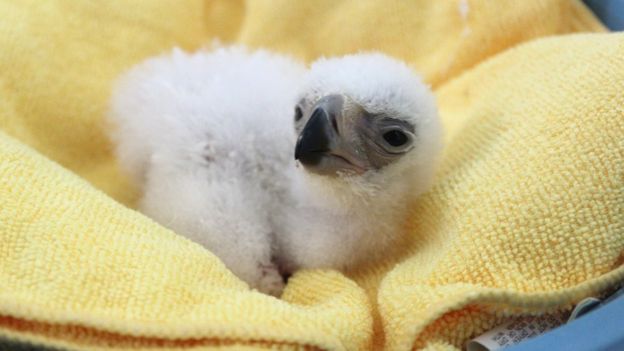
526 215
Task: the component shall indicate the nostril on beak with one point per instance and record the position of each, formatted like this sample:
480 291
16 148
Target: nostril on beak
320 111
334 122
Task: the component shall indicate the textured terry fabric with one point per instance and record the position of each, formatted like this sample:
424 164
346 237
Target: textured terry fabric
526 214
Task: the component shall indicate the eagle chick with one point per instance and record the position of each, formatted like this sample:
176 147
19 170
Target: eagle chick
209 137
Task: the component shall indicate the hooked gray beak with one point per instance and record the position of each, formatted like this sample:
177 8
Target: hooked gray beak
320 147
315 139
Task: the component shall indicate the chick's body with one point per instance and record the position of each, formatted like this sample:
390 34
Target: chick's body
211 138
198 133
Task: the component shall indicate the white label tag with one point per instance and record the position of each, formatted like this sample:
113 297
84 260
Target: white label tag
527 327
516 331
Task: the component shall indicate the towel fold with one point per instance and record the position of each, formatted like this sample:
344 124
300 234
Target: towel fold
526 214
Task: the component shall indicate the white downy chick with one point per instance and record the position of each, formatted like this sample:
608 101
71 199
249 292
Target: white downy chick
368 142
208 136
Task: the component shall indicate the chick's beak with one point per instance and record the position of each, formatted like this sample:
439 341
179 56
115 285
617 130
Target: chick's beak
315 139
321 147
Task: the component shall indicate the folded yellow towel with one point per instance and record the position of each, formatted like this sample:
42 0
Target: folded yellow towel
526 215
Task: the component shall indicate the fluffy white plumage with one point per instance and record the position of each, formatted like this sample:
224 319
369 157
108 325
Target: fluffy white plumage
209 136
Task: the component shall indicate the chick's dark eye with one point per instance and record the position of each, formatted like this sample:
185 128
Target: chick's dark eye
298 114
395 138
